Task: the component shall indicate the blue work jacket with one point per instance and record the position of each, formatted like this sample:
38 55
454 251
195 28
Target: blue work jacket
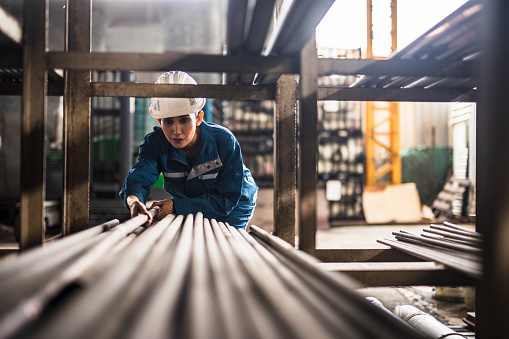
219 185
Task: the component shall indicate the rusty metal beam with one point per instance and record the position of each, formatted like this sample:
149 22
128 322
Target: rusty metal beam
401 274
163 61
109 89
33 125
307 148
413 68
363 255
76 195
284 158
397 94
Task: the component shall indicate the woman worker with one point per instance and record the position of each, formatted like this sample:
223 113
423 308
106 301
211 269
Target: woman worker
201 163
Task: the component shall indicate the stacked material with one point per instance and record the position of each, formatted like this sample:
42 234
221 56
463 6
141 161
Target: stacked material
451 245
182 277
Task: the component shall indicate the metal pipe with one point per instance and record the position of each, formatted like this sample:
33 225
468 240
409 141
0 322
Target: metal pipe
461 248
425 323
469 267
263 321
19 316
470 240
454 241
358 309
194 277
60 247
157 317
298 320
26 273
459 228
457 231
200 310
112 289
229 296
323 302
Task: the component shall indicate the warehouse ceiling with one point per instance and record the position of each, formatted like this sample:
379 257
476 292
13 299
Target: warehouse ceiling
249 28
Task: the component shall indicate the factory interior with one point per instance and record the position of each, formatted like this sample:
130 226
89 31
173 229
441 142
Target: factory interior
381 209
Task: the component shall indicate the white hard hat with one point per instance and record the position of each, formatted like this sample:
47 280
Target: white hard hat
173 107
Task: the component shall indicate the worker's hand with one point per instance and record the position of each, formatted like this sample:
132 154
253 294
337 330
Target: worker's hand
136 207
166 207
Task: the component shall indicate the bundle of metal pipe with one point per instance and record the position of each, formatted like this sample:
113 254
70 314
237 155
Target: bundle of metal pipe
453 40
448 244
185 277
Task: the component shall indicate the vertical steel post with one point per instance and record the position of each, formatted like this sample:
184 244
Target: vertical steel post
492 167
125 152
307 147
284 158
33 124
76 195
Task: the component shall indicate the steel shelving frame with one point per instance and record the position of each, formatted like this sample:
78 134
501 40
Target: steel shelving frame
277 81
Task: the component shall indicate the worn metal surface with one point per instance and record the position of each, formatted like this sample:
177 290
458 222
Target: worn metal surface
260 24
362 255
397 94
236 22
328 289
401 274
33 122
307 146
110 89
76 148
125 148
191 277
416 68
171 60
294 27
285 149
37 293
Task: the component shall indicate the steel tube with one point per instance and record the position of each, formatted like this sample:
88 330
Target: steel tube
349 306
104 287
229 296
457 231
424 323
458 247
472 241
17 317
262 320
299 321
158 316
473 269
45 253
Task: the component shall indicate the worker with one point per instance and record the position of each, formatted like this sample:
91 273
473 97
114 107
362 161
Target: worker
201 163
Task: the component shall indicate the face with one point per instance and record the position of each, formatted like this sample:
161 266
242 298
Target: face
181 131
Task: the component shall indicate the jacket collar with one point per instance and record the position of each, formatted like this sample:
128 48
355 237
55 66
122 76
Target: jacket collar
208 148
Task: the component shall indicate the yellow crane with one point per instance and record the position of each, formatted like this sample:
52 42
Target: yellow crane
383 161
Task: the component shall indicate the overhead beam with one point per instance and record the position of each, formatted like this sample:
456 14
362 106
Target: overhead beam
417 68
162 62
400 274
397 94
232 92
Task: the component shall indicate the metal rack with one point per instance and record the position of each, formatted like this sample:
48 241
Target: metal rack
291 51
